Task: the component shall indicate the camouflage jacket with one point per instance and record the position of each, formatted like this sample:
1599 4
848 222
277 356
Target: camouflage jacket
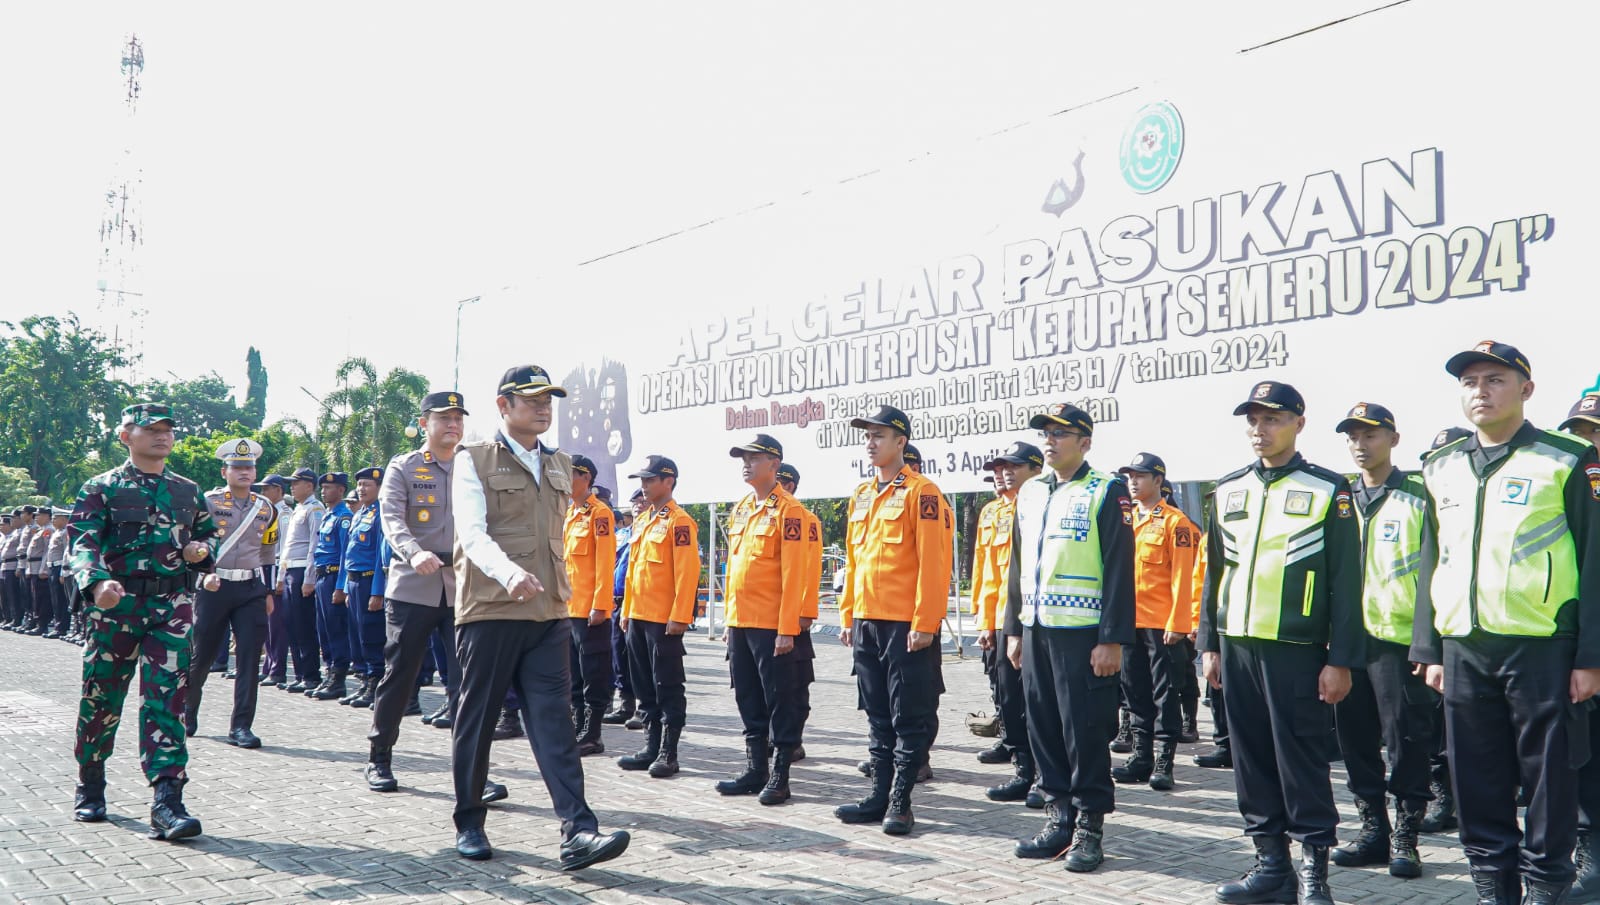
129 524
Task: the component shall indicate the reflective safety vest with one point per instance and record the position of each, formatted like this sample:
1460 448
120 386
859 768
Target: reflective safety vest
1507 558
1061 564
1275 581
1391 555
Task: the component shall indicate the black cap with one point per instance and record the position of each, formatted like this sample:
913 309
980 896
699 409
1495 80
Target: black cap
787 472
1146 463
637 495
370 474
335 477
988 479
763 443
913 455
1274 395
585 465
603 494
450 401
885 416
1063 414
1017 454
657 467
1446 437
30 509
276 480
1585 409
1366 414
528 380
5 519
303 474
1492 352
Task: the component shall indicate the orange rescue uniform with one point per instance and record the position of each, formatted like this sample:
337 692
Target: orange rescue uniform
898 554
1165 544
991 557
589 533
808 600
663 567
767 563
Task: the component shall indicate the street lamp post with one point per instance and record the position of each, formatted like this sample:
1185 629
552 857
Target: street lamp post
456 382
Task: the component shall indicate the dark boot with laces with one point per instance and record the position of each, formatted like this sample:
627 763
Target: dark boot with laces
777 790
168 818
1271 880
1372 845
1085 854
1055 837
89 800
1313 879
1404 859
897 818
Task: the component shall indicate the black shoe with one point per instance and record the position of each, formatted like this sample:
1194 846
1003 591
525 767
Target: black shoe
619 714
924 773
871 808
332 690
588 748
1137 768
1016 788
493 791
1055 838
369 691
413 706
1221 758
755 775
1586 888
897 818
586 848
1086 854
473 845
442 719
380 778
1035 799
1123 743
168 818
995 754
635 722
89 799
243 738
1497 887
322 685
1441 816
1161 774
1372 845
298 686
230 675
510 725
1313 876
777 789
1271 880
1404 859
1190 731
360 689
666 763
271 680
644 757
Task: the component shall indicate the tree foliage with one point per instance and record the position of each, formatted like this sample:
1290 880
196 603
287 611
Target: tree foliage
363 422
195 457
17 488
255 395
204 405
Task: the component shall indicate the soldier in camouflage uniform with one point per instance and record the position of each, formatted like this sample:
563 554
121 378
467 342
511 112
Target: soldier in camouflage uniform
136 533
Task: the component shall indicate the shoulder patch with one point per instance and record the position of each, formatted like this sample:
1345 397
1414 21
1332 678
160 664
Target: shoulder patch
813 534
1343 505
1127 510
1182 538
928 507
680 536
1592 472
602 525
791 529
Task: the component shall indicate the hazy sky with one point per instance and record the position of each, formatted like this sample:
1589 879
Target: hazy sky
326 179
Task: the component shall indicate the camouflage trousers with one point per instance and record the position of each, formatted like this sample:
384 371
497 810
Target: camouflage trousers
151 633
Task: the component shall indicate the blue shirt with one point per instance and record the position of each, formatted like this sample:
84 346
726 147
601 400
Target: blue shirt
332 535
619 578
361 546
380 581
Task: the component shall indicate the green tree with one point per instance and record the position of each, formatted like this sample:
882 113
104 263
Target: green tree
17 488
363 422
56 398
195 456
255 395
204 405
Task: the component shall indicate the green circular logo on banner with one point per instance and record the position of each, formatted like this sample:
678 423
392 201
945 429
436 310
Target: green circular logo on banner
1152 147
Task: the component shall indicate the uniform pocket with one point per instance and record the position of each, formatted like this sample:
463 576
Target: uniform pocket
1103 693
1312 717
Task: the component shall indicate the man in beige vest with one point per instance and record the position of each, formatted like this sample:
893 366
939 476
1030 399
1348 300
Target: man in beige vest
511 495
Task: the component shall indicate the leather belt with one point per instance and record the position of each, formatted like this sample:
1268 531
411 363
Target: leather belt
154 586
367 574
239 574
327 570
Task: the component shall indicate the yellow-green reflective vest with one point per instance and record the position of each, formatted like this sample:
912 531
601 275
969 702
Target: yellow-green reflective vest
1391 553
1274 582
1060 561
1507 558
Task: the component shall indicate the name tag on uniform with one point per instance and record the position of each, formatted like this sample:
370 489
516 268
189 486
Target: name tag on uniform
1233 507
1515 491
1389 531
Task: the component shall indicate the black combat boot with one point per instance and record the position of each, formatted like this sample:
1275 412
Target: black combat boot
754 777
1123 743
1404 860
996 753
1587 855
1161 776
897 817
1496 887
1313 888
1016 788
872 808
333 689
360 689
369 691
89 801
1441 816
619 714
1219 759
589 739
413 706
510 725
1138 767
379 777
1372 845
666 763
777 790
1190 733
1543 892
1271 880
1086 854
646 755
168 818
1055 837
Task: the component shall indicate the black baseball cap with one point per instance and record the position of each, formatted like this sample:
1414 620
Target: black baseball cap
528 380
30 509
585 465
657 467
787 472
886 416
1063 414
913 455
763 443
1446 437
637 495
1146 463
303 474
335 477
1366 414
1273 395
1018 453
1492 352
276 480
603 494
1585 409
444 401
370 474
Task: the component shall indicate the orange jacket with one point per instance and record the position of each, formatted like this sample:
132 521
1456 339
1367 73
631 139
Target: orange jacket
808 600
591 547
897 555
1165 542
663 567
991 557
767 563
1199 580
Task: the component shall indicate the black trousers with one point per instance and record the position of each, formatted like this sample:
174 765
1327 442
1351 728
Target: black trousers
897 688
494 656
1279 734
1150 686
7 615
1005 681
1388 707
241 605
408 628
58 596
304 649
591 664
1071 715
801 676
44 605
1187 678
1509 719
655 661
620 667
762 685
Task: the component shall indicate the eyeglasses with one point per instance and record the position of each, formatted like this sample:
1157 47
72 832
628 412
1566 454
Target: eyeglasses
1059 434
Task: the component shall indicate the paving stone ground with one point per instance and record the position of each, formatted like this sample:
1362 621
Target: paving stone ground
293 821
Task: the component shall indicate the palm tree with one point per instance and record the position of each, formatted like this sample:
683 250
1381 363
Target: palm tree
363 422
